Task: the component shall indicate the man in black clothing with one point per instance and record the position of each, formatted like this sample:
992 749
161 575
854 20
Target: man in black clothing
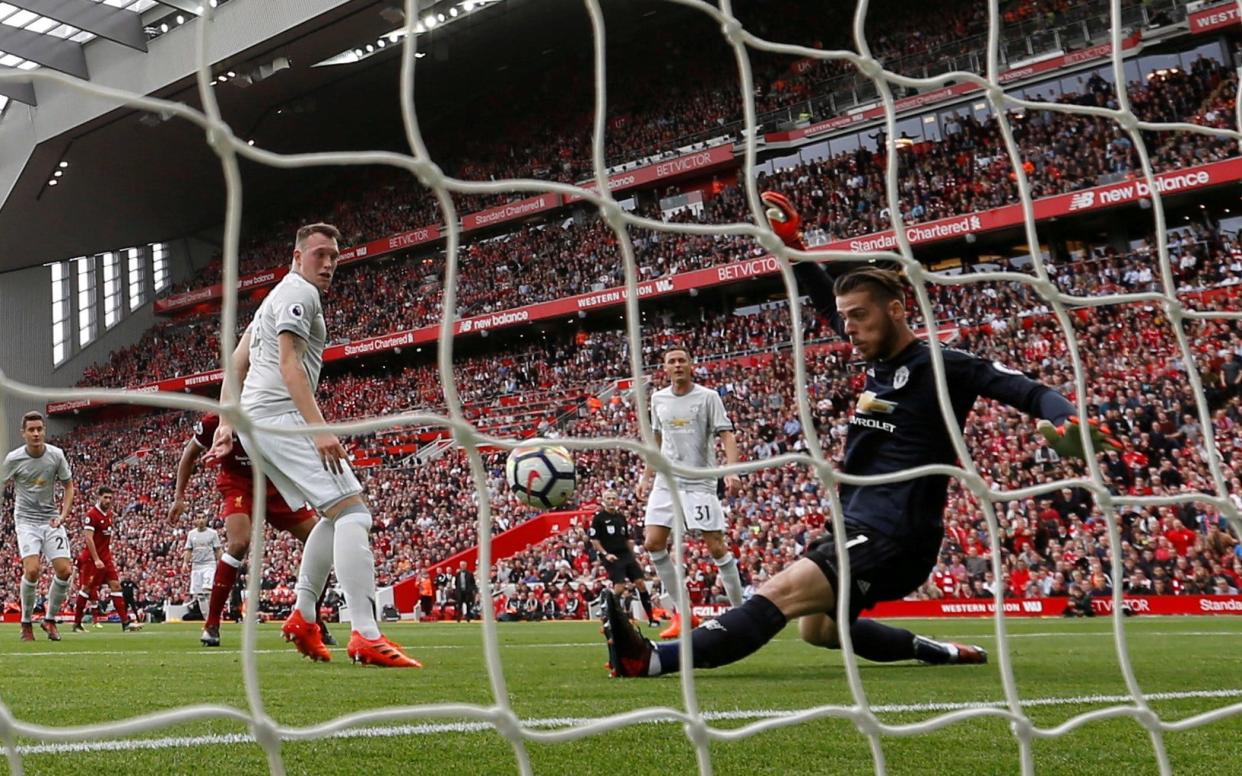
464 592
893 532
614 541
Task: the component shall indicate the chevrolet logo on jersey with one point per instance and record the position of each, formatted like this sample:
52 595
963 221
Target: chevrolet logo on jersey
870 404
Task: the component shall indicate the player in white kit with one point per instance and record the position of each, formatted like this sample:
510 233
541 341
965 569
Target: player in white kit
202 550
35 468
279 358
687 418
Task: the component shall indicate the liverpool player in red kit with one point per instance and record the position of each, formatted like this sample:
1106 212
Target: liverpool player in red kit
235 483
95 564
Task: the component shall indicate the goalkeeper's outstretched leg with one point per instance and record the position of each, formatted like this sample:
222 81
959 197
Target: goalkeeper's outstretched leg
893 531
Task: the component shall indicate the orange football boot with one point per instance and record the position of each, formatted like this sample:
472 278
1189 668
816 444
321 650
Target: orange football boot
379 652
306 637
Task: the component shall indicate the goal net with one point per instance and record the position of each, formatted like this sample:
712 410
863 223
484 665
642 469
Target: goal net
1183 316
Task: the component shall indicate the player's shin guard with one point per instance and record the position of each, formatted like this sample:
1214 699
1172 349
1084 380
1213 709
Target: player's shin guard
79 606
881 643
730 578
726 639
118 603
668 577
29 593
221 586
316 563
355 568
56 597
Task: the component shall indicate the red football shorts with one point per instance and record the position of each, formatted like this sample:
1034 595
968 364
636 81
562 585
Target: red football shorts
90 577
237 497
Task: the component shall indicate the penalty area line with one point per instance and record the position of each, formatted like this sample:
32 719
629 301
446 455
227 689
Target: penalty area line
393 731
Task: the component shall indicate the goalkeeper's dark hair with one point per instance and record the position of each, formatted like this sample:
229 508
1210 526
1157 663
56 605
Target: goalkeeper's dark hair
884 285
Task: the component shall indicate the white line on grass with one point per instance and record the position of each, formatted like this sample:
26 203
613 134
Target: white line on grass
563 722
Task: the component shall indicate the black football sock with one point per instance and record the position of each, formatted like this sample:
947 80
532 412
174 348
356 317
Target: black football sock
728 638
881 643
645 597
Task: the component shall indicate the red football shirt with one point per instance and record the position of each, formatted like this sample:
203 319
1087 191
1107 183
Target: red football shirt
1182 539
101 523
236 462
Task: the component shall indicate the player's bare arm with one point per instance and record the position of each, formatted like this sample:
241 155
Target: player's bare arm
648 478
733 483
185 469
222 442
331 451
90 547
65 506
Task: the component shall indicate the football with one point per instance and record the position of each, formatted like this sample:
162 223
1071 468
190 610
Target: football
541 476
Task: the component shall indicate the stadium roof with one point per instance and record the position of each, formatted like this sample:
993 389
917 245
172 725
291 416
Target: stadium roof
51 33
134 177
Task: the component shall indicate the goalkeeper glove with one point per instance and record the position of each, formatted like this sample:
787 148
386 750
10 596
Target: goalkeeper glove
784 219
1067 441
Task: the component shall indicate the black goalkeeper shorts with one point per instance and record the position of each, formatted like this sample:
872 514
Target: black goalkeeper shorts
881 569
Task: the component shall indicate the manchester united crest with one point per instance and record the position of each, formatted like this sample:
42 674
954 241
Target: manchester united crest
901 377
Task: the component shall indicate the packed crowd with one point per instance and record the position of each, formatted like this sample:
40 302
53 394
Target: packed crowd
427 513
650 112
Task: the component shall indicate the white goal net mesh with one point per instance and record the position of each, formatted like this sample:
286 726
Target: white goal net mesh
269 733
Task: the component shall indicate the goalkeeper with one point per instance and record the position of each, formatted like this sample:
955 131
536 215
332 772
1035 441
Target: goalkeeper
893 532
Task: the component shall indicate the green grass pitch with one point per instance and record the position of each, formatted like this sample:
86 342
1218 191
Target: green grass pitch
555 674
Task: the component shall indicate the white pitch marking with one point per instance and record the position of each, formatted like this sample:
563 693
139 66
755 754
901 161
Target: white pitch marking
564 722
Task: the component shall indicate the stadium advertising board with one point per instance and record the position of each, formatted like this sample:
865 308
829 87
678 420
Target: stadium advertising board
199 295
1040 607
1109 195
391 243
699 161
1214 18
510 211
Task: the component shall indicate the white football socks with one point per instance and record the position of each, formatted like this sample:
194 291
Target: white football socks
667 573
316 563
730 578
56 597
355 569
30 591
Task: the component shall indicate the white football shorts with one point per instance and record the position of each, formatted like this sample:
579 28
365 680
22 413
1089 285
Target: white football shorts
703 511
292 464
201 579
42 539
